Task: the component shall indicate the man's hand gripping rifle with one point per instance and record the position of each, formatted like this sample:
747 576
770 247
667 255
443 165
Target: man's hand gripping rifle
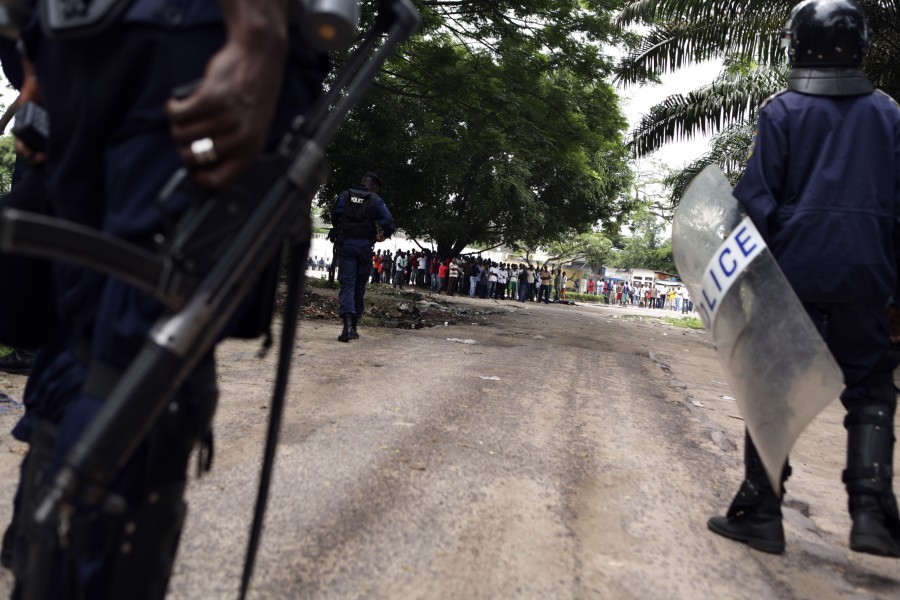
213 257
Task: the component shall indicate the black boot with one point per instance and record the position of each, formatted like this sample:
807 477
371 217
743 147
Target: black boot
354 335
754 516
868 478
345 334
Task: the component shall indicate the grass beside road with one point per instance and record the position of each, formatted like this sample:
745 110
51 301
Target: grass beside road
686 322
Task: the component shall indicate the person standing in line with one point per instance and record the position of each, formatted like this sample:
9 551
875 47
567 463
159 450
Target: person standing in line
434 273
687 307
545 285
513 285
484 279
399 267
443 271
523 283
502 280
453 272
376 267
493 273
421 269
822 186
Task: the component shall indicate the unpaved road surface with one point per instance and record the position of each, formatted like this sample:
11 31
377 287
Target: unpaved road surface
537 452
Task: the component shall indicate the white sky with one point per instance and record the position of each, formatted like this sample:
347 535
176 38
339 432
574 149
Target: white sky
639 100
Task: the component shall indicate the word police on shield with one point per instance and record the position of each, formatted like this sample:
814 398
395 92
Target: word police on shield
731 259
776 362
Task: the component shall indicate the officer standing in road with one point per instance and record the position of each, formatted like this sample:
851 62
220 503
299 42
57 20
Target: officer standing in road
823 186
106 73
354 217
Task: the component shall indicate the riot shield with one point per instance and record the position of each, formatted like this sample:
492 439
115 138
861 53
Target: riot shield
777 364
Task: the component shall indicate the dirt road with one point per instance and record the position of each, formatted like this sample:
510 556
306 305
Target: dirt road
540 452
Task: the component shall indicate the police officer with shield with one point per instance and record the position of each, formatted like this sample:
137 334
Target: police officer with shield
822 186
136 89
354 219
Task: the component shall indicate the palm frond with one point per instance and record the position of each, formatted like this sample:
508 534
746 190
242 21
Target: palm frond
671 46
729 151
733 98
656 11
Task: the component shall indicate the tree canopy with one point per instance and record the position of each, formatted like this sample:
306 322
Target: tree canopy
7 161
495 125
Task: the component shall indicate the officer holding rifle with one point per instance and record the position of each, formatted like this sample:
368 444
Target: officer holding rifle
106 73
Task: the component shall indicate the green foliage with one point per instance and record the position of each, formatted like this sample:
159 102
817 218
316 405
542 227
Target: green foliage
322 283
587 298
684 322
591 248
494 126
645 248
7 162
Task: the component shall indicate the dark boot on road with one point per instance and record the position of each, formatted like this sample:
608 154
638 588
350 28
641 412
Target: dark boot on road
354 335
868 478
345 334
754 516
876 527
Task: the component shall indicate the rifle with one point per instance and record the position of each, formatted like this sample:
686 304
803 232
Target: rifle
202 274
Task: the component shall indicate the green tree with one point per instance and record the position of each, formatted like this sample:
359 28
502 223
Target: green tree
495 125
591 248
7 162
646 247
745 34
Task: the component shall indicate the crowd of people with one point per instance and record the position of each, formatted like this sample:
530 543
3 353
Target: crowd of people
317 263
480 277
648 295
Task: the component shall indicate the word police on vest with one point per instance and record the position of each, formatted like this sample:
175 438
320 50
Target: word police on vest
730 260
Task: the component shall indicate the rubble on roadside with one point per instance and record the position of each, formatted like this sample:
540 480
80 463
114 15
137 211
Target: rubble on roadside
386 307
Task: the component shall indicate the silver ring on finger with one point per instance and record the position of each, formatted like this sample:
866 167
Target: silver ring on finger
204 151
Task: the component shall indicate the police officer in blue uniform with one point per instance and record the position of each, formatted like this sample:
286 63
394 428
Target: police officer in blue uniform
354 216
823 187
106 73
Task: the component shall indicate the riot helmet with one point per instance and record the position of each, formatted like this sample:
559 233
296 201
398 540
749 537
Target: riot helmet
826 33
826 41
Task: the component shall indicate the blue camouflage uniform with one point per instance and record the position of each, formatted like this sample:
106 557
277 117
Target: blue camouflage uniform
355 260
109 154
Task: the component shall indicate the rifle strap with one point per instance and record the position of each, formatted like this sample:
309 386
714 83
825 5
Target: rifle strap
296 277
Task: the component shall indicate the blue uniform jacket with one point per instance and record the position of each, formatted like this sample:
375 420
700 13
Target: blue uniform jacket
382 216
174 13
823 187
